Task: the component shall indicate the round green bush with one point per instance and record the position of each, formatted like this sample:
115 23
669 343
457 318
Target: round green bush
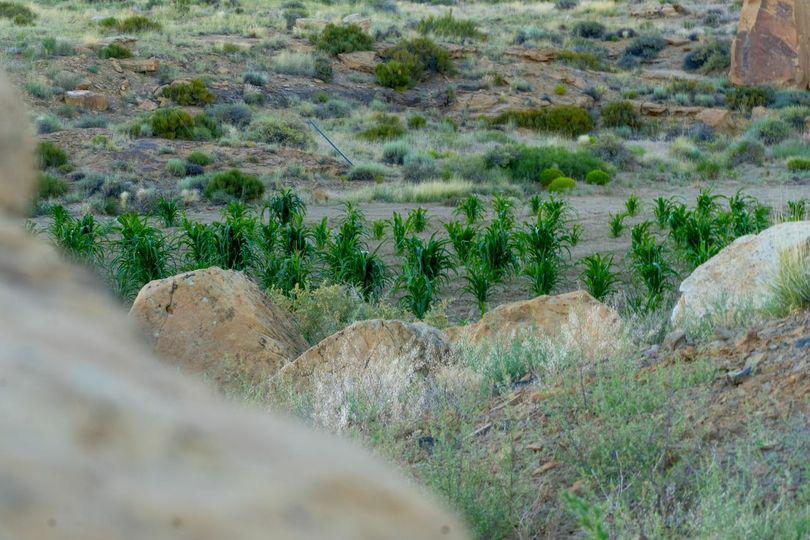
562 184
344 39
172 124
597 177
549 175
50 155
200 158
236 184
51 186
620 114
193 92
798 164
114 50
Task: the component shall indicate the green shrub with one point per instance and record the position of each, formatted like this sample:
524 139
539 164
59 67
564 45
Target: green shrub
746 151
798 164
549 175
386 126
322 67
412 61
366 172
772 130
108 23
416 121
235 184
137 24
645 47
50 155
343 39
273 130
395 152
589 30
581 60
193 92
235 114
172 123
176 167
50 186
562 184
525 163
620 114
200 158
714 56
448 26
419 167
597 177
568 120
745 99
114 50
17 13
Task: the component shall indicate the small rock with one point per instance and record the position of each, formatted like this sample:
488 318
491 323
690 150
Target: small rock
86 99
544 468
737 377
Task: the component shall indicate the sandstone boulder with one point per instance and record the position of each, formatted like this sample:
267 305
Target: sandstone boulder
364 61
85 99
147 65
715 117
772 46
212 321
367 345
542 56
358 20
740 274
543 316
101 441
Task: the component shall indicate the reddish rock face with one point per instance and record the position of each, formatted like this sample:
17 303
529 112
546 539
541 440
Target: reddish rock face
772 44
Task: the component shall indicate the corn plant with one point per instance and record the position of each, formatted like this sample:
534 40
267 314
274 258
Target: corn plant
141 254
598 275
480 282
199 241
649 264
544 242
81 239
663 209
497 248
424 270
617 224
797 210
416 221
378 228
322 234
633 205
462 237
471 208
285 206
233 237
167 210
504 211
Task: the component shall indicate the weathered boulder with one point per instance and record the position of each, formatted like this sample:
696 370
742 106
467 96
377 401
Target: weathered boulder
214 321
101 441
358 20
543 316
740 274
364 61
85 99
367 345
142 65
533 55
716 118
772 46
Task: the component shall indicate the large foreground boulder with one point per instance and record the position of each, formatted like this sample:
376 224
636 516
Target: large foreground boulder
369 346
215 322
772 46
543 316
101 441
740 275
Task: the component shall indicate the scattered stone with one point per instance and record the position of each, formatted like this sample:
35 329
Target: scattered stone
737 377
150 65
772 45
370 345
216 322
741 273
85 99
540 316
365 61
544 468
715 117
358 20
533 55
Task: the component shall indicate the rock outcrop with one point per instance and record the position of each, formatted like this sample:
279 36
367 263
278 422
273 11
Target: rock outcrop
211 321
543 316
772 46
100 440
367 345
85 99
741 274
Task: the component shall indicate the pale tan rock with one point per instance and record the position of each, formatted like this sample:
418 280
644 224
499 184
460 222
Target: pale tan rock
533 55
740 275
85 99
772 45
543 316
715 117
309 23
364 61
103 442
358 20
145 65
211 321
370 345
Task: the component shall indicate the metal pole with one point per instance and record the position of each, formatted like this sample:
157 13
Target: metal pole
315 126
